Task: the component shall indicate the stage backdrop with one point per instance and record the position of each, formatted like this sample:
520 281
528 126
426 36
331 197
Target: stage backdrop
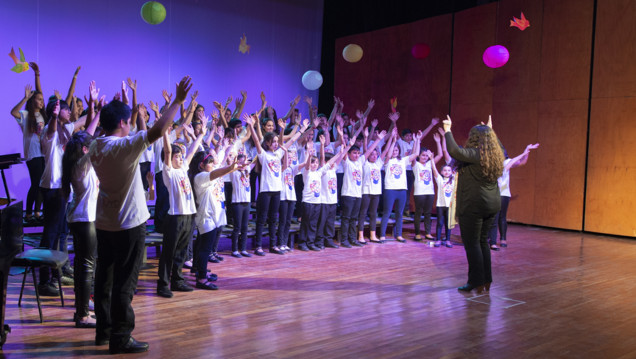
110 41
541 95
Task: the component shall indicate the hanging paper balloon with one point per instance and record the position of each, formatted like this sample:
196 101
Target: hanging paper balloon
153 12
352 53
312 80
496 56
420 51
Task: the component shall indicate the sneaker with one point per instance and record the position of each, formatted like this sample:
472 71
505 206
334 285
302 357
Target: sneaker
213 259
67 280
181 287
448 244
48 289
164 292
217 256
187 264
245 254
236 255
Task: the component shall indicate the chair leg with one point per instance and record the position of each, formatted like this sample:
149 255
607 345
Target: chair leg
26 271
37 294
59 285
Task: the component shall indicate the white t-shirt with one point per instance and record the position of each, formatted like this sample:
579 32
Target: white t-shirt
53 152
329 194
395 173
504 181
211 202
271 180
372 177
241 191
423 184
30 141
121 203
148 155
444 191
158 146
288 193
352 180
85 187
406 149
313 185
292 153
179 191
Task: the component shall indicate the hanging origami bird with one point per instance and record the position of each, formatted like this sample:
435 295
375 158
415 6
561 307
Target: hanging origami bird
243 46
20 64
522 23
393 104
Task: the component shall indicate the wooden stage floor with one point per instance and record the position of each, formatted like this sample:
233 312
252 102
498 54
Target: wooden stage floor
555 294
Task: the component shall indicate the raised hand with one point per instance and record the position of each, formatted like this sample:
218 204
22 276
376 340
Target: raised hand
56 110
124 92
305 124
93 91
394 116
366 132
371 103
308 100
194 95
434 121
57 94
182 89
447 123
204 123
237 102
35 67
381 135
248 119
316 122
166 97
321 138
227 102
440 130
374 123
154 107
352 141
117 96
295 101
188 128
215 115
429 153
419 135
263 99
132 84
394 133
281 124
77 71
28 91
436 137
143 111
531 147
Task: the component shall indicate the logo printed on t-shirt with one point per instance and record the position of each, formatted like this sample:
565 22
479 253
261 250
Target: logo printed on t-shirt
396 170
448 189
314 187
274 166
288 179
425 176
332 184
375 175
357 176
184 186
245 181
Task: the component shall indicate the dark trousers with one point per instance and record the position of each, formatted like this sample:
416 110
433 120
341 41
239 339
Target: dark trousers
120 256
162 205
144 168
410 178
309 225
442 222
349 219
392 197
266 211
423 203
229 207
176 235
241 217
202 248
54 220
34 196
475 228
253 181
285 213
299 184
368 204
501 221
326 224
85 244
339 182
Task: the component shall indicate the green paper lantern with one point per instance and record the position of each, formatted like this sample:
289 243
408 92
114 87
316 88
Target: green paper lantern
153 12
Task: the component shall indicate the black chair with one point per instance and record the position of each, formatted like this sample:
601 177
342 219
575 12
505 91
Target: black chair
10 245
36 258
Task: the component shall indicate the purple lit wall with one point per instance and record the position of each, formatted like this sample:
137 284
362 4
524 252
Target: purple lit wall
198 38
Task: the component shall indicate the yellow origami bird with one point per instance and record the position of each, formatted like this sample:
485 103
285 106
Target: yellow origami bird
20 64
394 104
243 46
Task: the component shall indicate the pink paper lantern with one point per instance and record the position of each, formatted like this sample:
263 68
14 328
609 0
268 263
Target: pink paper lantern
496 56
420 51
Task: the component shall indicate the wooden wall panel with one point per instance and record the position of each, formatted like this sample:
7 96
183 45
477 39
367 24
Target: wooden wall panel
610 197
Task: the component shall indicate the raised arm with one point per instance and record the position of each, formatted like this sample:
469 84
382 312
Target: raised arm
458 153
292 106
163 124
135 110
434 122
389 146
447 157
240 105
221 110
197 142
250 126
417 146
71 89
433 165
52 127
220 172
522 159
36 71
438 144
381 136
167 151
369 108
334 111
92 115
321 138
15 111
297 135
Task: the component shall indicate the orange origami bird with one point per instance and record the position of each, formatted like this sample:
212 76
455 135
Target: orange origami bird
243 46
20 64
522 23
394 104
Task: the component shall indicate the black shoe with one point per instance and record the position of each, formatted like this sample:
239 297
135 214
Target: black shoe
48 289
357 244
99 341
212 277
494 247
181 287
207 285
345 244
331 245
467 288
213 259
321 247
314 248
131 346
276 251
217 256
164 292
303 247
236 255
503 243
245 254
259 252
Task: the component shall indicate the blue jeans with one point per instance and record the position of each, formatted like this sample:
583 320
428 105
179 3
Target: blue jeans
392 197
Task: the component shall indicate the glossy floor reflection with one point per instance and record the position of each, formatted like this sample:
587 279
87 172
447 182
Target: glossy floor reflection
555 294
